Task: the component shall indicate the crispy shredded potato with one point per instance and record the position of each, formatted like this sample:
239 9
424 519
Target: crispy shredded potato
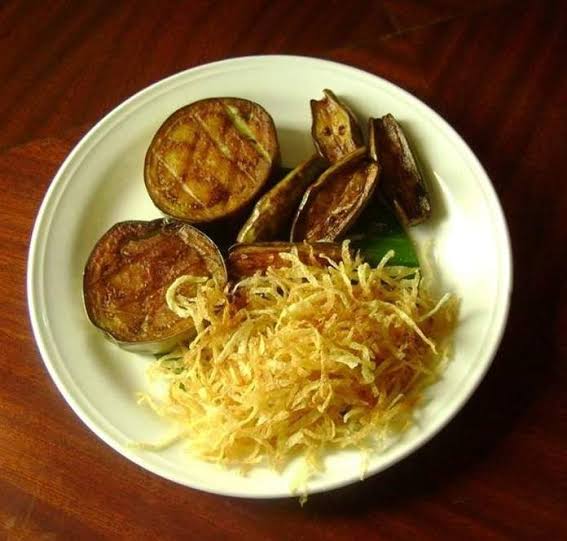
302 359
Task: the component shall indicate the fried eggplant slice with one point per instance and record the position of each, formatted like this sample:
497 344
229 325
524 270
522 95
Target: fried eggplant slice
331 205
128 273
272 214
334 128
402 183
209 159
247 259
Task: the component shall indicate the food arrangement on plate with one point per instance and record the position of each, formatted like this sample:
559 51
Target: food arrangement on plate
288 310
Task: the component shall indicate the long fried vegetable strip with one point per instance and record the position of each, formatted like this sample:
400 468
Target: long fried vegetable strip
302 359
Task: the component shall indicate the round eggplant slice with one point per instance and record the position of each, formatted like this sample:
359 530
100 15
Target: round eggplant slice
402 182
210 158
273 212
331 205
128 273
334 128
247 259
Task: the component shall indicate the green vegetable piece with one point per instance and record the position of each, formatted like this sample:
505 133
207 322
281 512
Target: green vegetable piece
378 231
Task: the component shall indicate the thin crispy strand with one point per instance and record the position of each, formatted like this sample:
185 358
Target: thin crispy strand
302 359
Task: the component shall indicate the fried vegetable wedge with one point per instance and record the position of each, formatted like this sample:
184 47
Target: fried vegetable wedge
210 158
247 259
402 183
129 271
334 128
273 213
331 205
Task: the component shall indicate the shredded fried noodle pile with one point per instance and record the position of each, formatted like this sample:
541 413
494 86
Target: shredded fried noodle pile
302 359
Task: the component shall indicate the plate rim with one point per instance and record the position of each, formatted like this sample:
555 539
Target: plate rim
65 173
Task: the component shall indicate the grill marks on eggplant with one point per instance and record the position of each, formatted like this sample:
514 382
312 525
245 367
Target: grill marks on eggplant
130 270
210 158
242 125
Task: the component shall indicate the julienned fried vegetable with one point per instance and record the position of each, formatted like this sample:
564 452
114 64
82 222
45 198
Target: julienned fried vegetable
129 271
302 360
209 159
273 213
334 128
402 183
331 205
247 259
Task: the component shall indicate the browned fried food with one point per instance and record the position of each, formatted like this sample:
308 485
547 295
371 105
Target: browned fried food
210 158
271 217
334 128
402 182
332 204
247 259
129 271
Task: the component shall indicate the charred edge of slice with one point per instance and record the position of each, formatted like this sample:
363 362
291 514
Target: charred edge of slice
247 259
112 243
358 158
274 210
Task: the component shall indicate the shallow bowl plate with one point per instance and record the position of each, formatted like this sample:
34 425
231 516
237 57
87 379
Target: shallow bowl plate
101 183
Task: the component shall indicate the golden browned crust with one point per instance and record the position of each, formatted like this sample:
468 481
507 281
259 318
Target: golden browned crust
130 269
210 158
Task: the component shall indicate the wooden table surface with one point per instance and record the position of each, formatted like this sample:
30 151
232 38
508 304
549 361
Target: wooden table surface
495 70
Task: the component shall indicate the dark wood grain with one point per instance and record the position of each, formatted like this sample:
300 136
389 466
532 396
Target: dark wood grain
494 69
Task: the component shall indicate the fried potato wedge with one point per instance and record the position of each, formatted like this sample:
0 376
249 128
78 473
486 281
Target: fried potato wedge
274 211
247 259
128 273
331 205
334 128
402 183
209 159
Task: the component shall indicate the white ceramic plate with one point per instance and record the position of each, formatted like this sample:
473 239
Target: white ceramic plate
101 182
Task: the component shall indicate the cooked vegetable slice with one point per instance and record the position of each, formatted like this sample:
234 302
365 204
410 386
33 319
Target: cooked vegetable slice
334 128
332 204
402 183
247 259
210 158
272 214
129 271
